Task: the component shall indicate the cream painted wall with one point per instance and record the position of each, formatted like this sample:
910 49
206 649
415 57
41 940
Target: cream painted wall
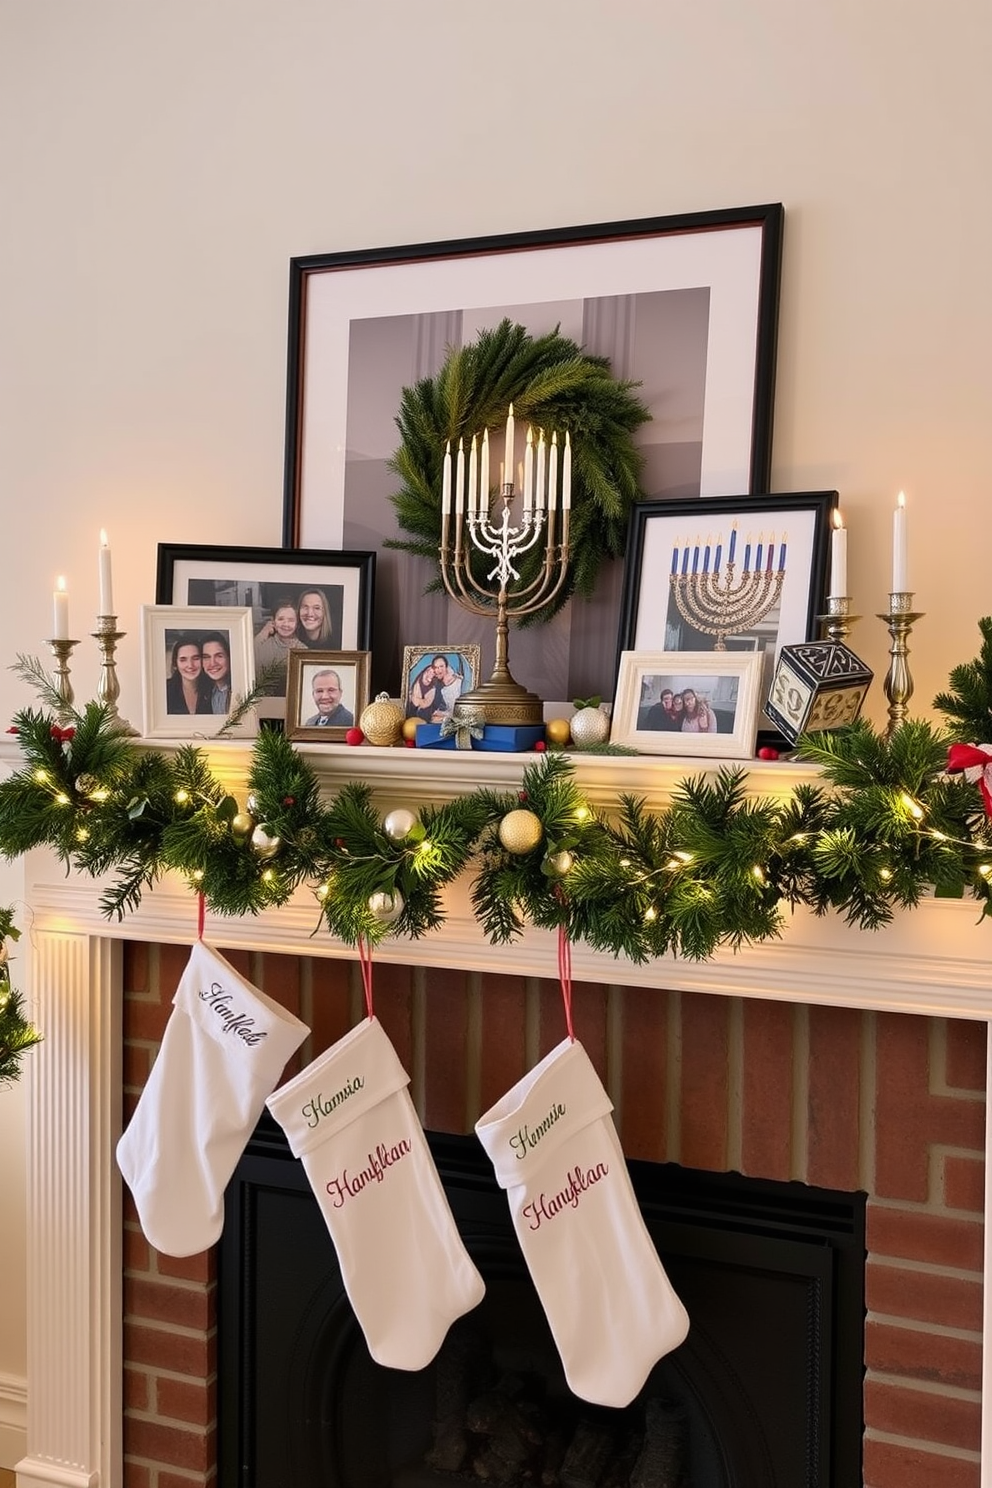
162 163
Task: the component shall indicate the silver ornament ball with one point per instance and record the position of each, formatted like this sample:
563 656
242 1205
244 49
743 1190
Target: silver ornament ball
399 824
266 844
386 907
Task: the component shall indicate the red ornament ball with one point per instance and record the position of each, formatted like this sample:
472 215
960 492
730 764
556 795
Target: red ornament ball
410 743
539 746
354 736
766 752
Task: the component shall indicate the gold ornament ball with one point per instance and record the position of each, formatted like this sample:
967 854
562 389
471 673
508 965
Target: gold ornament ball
399 824
266 844
382 721
386 907
557 731
410 727
242 823
589 726
520 831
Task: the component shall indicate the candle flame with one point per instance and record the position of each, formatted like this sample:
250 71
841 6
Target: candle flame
60 584
104 540
901 499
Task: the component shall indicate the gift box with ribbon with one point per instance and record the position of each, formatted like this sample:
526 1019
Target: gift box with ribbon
467 730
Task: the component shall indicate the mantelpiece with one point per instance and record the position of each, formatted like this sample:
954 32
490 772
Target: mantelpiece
933 960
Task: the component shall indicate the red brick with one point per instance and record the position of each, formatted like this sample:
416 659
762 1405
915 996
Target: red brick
907 1118
280 979
194 1401
935 1357
136 1066
643 1122
136 1475
392 999
155 1301
331 1014
201 1267
899 1410
241 960
137 1390
446 1033
889 1466
146 1020
920 1296
925 1237
172 962
588 1020
836 1036
174 1480
136 966
169 1444
137 1251
504 1013
964 1183
966 1046
179 1353
766 1116
705 1081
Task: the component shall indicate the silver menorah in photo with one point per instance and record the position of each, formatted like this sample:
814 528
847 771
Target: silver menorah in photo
505 528
714 597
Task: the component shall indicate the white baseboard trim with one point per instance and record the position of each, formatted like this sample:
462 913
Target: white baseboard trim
13 1419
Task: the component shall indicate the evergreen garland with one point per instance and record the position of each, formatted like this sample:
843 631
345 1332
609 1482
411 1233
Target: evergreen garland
552 384
17 1035
717 867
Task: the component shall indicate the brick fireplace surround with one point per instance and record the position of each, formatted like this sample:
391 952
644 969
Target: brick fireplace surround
839 1058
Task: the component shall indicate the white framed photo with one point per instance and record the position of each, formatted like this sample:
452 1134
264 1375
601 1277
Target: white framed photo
197 666
688 702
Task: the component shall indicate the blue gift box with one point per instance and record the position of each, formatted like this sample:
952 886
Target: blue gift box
497 738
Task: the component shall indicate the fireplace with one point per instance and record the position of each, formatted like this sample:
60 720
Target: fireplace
844 1059
766 1390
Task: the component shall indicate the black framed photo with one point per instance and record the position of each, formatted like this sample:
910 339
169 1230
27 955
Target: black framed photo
743 573
327 692
303 599
684 306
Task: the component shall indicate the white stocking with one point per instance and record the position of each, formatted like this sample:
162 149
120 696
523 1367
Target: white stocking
350 1119
224 1048
611 1308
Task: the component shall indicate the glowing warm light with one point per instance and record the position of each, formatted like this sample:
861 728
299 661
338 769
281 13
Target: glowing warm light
985 869
582 813
913 807
62 798
758 873
197 874
685 857
323 891
82 834
885 874
41 776
650 914
268 875
181 797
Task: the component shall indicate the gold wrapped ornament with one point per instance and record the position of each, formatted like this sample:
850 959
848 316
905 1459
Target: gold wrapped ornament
382 721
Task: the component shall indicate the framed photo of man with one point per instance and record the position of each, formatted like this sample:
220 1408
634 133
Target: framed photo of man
434 678
197 667
326 694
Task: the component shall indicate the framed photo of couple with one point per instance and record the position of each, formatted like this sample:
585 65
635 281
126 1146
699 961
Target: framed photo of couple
197 666
326 694
688 702
304 599
434 678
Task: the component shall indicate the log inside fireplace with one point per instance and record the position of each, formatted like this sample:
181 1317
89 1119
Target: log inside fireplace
766 1392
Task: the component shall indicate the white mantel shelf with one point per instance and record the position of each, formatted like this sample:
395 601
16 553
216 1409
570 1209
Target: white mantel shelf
932 960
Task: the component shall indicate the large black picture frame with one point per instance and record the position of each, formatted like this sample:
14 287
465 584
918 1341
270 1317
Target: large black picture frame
365 323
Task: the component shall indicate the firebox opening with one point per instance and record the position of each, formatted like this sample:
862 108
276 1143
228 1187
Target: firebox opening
764 1393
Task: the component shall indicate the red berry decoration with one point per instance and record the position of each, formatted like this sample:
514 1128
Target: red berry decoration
289 800
539 746
354 736
410 743
766 752
521 795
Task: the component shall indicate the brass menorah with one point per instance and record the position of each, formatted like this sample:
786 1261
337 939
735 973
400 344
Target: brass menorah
473 520
717 600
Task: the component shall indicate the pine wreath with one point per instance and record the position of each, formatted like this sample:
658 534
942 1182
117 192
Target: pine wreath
552 384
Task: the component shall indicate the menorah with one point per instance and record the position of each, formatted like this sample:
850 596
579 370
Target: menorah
726 603
473 521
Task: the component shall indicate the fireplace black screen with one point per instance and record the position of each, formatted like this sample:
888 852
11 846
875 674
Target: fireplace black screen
766 1392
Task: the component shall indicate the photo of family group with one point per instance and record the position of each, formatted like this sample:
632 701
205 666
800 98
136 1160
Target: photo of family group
435 678
690 703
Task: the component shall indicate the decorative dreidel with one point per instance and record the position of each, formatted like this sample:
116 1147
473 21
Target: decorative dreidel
817 686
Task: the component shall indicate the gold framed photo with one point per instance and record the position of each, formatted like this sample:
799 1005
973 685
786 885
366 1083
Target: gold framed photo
688 702
434 678
326 693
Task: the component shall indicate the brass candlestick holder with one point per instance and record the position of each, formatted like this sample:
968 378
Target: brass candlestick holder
108 690
62 650
838 622
900 620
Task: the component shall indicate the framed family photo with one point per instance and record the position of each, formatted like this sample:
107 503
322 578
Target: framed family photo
688 703
434 678
749 572
300 600
197 666
685 307
326 694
